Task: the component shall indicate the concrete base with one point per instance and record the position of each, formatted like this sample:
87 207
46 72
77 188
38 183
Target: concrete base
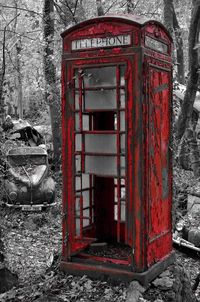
118 273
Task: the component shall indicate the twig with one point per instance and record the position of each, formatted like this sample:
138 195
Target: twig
23 9
114 2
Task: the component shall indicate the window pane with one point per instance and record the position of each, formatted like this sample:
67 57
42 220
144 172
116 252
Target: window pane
123 211
77 122
85 181
78 163
123 193
122 75
101 165
77 206
78 142
86 222
76 100
100 143
86 199
122 163
100 99
115 121
76 78
78 183
115 212
122 120
122 98
78 226
122 137
85 122
103 76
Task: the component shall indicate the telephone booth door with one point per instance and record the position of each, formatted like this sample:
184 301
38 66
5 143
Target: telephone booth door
99 99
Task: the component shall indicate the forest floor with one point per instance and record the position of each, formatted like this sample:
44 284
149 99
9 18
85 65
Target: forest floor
32 249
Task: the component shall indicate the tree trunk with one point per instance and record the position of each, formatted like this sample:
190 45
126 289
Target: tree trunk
179 50
18 48
19 80
100 10
129 6
2 76
192 84
172 25
52 93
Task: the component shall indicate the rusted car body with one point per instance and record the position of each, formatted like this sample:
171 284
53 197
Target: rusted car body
27 184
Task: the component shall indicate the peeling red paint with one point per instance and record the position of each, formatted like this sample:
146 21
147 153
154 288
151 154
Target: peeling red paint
146 228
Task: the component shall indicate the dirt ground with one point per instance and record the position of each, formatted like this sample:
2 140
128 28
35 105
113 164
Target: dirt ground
32 249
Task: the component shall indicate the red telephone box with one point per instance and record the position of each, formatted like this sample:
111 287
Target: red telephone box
117 176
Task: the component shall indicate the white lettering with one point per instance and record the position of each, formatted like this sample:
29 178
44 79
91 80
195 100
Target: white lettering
101 42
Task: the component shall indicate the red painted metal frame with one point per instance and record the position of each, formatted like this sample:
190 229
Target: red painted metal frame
148 115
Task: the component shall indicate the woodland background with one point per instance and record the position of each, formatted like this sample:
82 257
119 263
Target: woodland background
30 67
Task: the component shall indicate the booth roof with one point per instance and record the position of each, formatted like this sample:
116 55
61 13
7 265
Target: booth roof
125 18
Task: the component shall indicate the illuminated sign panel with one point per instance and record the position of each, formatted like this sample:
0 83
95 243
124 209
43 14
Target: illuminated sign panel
110 41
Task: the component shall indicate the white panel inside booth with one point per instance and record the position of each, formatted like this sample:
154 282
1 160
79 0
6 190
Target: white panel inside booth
100 143
101 165
100 99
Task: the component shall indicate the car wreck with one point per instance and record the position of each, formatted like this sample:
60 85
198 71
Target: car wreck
27 184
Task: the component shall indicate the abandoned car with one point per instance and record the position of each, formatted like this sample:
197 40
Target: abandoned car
27 182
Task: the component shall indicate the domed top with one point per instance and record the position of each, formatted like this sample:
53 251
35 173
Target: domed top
124 18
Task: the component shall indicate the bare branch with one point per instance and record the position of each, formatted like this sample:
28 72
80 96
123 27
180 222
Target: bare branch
114 2
21 35
61 10
23 9
136 4
76 4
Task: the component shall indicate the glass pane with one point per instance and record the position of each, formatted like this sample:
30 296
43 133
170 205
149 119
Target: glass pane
103 76
78 163
77 122
78 142
122 75
122 163
78 183
86 213
122 98
122 182
78 226
115 211
123 211
85 122
101 165
122 120
100 143
86 222
116 198
77 206
122 142
76 100
123 193
76 78
100 99
85 181
115 121
86 199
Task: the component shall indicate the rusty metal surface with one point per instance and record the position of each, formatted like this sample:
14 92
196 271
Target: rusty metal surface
27 182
